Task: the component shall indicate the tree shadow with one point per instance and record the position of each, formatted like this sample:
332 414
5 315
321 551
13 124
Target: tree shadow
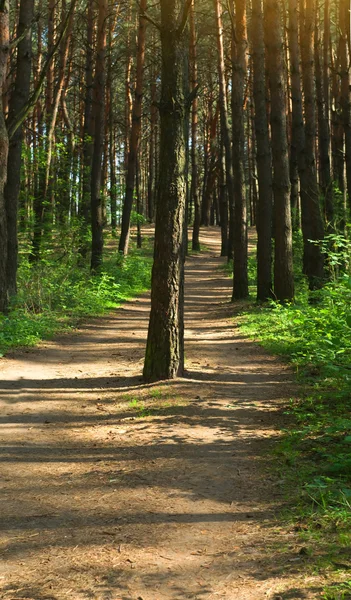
84 472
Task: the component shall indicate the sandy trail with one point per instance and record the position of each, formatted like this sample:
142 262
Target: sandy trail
116 490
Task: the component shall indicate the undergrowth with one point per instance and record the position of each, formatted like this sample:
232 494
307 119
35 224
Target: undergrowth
54 294
314 335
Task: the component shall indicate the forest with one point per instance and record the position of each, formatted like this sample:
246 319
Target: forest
175 291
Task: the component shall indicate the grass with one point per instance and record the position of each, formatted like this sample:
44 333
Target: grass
155 403
314 336
55 294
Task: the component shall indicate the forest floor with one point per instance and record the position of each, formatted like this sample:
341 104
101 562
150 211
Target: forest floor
116 490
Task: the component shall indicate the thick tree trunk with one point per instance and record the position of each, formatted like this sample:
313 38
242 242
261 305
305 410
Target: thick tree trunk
134 134
164 358
283 264
97 240
239 65
4 148
18 99
264 158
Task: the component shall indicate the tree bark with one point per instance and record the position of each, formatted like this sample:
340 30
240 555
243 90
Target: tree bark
224 124
283 264
42 201
239 66
4 148
97 240
194 191
312 224
223 202
264 158
344 25
325 179
164 358
87 150
152 151
18 100
134 134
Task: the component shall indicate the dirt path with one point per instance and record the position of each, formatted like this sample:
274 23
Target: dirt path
115 490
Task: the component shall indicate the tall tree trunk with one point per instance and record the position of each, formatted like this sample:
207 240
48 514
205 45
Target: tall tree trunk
211 165
4 148
283 264
337 132
97 240
225 124
344 25
239 65
325 179
139 206
128 88
18 100
87 151
113 178
264 158
312 224
111 149
194 191
44 196
329 200
134 134
223 202
39 198
164 358
297 145
152 151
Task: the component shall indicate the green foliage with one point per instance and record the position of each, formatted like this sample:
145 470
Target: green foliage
338 591
137 219
55 293
227 267
337 249
314 334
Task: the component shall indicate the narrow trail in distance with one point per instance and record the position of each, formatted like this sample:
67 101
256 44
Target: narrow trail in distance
117 490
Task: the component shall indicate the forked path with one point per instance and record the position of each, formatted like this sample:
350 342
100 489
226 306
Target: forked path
116 490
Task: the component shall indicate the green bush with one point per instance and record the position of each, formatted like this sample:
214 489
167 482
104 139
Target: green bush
54 294
314 334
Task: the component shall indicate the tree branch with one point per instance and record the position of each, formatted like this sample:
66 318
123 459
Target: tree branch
184 16
143 15
14 43
232 20
193 94
21 116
